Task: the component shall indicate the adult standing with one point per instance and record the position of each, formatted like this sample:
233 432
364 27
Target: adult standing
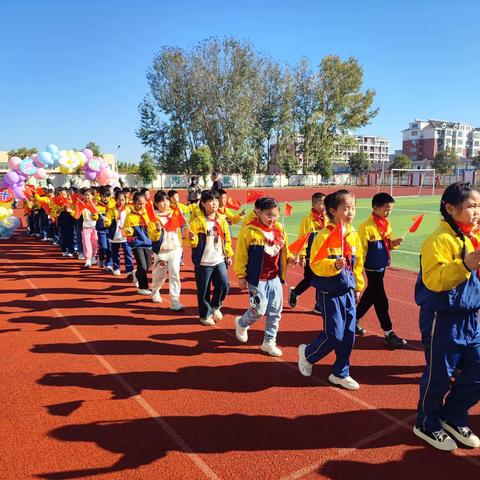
217 181
194 191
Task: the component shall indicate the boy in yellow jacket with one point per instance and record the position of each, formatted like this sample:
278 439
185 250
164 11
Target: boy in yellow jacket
377 240
313 223
261 260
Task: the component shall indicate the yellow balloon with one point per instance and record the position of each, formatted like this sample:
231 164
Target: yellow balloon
65 169
3 213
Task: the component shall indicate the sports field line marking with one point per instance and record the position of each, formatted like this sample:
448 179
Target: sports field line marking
174 436
346 452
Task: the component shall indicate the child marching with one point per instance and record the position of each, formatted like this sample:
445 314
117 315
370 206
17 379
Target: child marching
448 293
212 253
336 260
261 259
377 241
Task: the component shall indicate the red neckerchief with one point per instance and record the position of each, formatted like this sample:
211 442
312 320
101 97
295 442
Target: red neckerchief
142 220
382 225
347 248
467 229
320 219
278 238
217 225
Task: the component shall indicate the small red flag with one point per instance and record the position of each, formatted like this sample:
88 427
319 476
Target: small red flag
288 210
46 206
416 223
40 191
253 195
233 204
334 240
297 246
151 211
176 221
29 190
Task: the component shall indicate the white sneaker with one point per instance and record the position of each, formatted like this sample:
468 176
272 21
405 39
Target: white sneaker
70 255
176 305
45 239
207 321
240 332
80 256
304 365
144 291
270 347
348 382
134 278
439 439
109 269
88 264
217 314
64 254
156 298
93 261
117 272
462 434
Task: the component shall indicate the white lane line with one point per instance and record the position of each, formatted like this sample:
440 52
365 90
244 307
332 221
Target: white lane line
174 436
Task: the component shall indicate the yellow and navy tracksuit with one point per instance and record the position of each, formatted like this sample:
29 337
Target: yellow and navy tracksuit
266 296
337 300
448 294
309 225
249 218
104 250
141 232
232 218
209 274
249 254
376 259
111 222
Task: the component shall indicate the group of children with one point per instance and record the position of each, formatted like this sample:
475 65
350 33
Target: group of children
333 256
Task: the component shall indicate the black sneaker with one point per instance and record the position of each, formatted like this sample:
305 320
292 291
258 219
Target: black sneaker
292 297
462 434
440 439
393 341
359 330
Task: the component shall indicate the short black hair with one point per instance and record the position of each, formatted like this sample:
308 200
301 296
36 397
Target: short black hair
265 203
171 193
105 191
137 195
118 194
159 196
206 196
334 200
222 191
144 190
317 196
382 198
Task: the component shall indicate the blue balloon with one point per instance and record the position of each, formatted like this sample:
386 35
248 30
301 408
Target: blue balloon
51 148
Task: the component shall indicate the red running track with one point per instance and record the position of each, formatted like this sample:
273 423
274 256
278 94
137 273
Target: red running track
98 382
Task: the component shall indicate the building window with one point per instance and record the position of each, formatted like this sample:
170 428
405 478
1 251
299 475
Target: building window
448 133
476 143
459 134
413 133
414 125
413 150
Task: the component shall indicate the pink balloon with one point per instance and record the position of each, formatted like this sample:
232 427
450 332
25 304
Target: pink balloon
18 192
11 178
88 153
90 175
103 177
40 174
14 162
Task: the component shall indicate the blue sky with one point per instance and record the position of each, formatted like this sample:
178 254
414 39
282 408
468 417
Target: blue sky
75 71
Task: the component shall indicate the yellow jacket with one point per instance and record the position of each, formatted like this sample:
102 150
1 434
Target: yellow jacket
249 218
232 218
327 278
198 226
310 225
140 230
250 250
375 254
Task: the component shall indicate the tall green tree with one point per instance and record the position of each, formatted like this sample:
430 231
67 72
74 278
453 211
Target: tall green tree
22 152
401 161
201 161
444 161
476 162
358 163
146 169
94 148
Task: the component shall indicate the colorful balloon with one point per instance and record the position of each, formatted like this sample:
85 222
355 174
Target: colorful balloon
27 166
14 162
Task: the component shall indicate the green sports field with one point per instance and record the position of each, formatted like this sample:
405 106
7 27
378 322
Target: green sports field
401 220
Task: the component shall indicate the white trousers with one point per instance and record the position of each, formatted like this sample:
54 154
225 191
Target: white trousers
167 264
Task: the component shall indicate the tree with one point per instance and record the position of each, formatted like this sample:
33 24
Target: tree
94 148
476 162
444 161
22 152
401 161
146 169
358 163
201 161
